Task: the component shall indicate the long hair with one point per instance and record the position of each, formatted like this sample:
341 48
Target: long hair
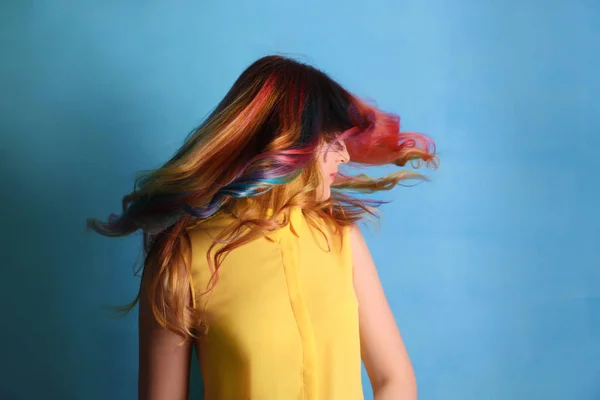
259 143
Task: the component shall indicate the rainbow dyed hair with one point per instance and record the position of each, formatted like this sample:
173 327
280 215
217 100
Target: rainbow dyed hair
259 143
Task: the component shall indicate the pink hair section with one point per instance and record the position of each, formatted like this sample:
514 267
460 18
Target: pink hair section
249 115
376 139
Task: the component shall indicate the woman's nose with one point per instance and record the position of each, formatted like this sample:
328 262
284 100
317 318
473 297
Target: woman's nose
343 156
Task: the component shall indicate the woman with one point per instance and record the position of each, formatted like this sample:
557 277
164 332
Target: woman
252 250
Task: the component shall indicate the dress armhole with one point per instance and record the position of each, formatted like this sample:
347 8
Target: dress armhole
190 269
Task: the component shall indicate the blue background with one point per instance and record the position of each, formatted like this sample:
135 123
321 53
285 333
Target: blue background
492 269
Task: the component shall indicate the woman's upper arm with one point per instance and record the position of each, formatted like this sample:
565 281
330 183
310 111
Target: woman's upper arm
382 348
164 359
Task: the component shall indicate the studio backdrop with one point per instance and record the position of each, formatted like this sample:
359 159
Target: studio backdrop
492 268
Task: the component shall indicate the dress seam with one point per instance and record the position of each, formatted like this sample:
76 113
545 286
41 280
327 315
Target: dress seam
289 250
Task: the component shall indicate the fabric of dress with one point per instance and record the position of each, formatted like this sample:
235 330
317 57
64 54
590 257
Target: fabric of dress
283 316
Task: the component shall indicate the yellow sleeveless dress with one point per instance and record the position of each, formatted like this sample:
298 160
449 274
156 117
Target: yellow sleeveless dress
283 316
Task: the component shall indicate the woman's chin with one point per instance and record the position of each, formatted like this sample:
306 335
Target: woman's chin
324 195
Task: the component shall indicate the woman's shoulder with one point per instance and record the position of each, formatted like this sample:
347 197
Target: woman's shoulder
218 231
217 222
203 232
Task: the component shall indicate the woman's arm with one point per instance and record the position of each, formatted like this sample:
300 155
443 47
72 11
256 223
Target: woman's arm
164 364
382 349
